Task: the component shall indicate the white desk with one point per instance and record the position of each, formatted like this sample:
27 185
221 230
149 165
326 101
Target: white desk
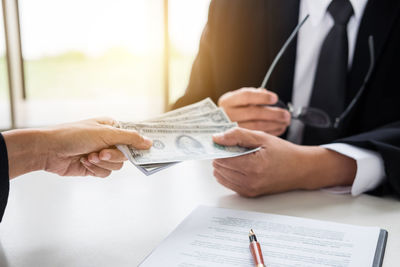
52 221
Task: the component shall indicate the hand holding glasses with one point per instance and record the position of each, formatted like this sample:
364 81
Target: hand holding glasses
313 116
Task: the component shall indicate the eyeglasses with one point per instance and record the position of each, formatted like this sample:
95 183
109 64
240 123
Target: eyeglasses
313 116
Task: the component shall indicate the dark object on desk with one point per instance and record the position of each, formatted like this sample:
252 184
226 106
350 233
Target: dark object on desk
242 38
255 249
4 179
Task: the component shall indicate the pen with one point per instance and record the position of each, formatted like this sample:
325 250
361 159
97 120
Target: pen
255 249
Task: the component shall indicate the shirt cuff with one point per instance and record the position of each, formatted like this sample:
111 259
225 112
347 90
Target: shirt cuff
370 168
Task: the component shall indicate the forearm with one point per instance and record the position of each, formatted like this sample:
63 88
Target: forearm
326 168
26 150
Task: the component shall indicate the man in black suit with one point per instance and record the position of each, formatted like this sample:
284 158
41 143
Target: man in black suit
67 150
324 68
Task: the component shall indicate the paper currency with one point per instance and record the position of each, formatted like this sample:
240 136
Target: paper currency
194 109
216 116
144 128
147 169
173 143
182 134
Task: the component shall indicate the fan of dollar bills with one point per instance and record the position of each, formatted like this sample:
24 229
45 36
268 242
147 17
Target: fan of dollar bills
180 135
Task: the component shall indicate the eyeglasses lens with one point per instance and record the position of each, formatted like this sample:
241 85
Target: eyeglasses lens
314 117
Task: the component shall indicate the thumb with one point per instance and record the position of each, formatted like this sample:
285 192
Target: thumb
118 136
128 137
241 137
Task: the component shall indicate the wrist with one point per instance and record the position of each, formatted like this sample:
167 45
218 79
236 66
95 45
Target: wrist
27 150
326 168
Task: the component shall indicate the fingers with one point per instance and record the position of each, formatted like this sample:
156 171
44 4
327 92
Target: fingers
106 121
108 159
250 113
244 164
241 137
111 155
116 136
103 163
224 181
249 107
235 165
248 96
95 170
234 181
111 166
273 128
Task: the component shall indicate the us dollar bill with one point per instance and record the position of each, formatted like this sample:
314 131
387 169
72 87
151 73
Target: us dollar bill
193 124
203 106
153 168
147 169
174 143
217 116
143 127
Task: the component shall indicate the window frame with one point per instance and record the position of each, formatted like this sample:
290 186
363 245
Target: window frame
15 60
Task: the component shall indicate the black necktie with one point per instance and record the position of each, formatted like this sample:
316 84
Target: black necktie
330 78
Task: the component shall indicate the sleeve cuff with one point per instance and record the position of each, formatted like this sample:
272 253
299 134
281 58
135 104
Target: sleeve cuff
4 179
370 168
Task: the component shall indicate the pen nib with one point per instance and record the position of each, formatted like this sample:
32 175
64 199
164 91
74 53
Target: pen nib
252 236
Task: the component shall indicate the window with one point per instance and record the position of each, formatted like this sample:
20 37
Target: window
97 58
91 58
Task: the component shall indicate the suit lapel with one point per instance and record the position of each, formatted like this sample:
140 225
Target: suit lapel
282 19
377 21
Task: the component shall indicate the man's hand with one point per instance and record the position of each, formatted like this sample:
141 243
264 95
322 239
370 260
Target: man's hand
279 165
63 149
247 106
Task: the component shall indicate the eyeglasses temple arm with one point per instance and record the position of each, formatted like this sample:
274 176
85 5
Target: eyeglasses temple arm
362 89
282 51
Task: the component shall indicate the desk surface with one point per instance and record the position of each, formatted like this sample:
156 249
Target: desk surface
52 221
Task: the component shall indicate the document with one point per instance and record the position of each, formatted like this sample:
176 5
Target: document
211 237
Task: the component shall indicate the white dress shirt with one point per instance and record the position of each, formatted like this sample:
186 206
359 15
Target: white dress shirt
370 168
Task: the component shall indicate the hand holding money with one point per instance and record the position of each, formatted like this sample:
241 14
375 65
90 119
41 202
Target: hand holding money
180 135
64 149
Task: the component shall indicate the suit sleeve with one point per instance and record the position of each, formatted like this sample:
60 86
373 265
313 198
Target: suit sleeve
4 178
201 80
385 141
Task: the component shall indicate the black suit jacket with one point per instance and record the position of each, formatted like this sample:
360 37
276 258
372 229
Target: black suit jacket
4 180
242 37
